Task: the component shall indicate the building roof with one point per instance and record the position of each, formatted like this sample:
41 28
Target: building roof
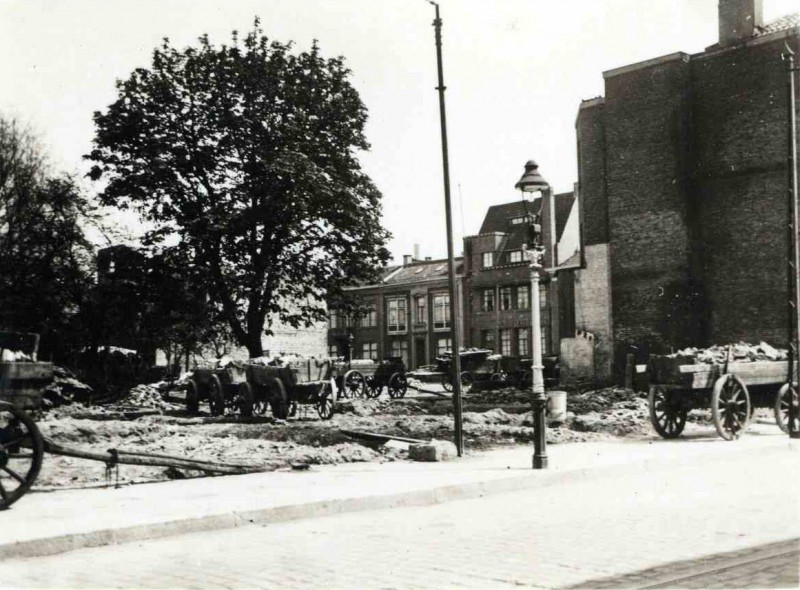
784 23
498 219
419 271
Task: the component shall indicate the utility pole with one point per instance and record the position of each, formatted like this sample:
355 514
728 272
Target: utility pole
454 320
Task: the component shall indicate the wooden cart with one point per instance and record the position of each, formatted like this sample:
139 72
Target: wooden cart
21 443
352 377
390 373
284 388
731 390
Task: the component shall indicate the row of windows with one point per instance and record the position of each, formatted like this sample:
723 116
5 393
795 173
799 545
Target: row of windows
511 297
397 314
512 256
369 350
514 341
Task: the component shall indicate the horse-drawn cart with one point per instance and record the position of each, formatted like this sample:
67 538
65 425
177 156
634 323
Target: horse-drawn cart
731 390
478 365
21 444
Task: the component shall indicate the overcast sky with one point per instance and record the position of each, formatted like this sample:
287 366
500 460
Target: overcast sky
515 71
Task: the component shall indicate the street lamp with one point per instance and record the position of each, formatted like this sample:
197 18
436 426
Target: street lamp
532 182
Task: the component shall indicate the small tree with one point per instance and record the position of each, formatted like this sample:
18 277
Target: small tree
248 153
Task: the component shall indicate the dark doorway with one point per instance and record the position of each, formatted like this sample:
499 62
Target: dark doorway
420 357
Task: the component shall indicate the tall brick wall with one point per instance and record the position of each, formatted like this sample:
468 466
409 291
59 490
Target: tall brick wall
740 113
590 130
593 306
647 125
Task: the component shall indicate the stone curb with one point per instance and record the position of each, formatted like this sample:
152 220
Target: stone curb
416 498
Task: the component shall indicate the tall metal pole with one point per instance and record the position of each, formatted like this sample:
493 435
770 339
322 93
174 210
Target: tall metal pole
454 320
794 243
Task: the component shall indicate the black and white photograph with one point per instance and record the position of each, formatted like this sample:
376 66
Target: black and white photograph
399 294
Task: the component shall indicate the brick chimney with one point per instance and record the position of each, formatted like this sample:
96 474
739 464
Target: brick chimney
407 259
738 20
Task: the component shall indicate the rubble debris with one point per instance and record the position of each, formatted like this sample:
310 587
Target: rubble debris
65 389
435 450
146 396
740 352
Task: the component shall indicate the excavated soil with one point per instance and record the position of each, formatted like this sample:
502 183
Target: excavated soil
144 422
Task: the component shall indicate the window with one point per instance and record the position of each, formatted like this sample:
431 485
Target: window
369 350
487 339
441 311
519 220
505 298
370 317
334 319
523 297
505 342
400 349
487 300
421 315
333 350
396 316
443 345
515 256
542 295
488 259
522 342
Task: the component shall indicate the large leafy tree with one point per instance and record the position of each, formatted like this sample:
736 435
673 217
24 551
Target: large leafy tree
46 260
248 152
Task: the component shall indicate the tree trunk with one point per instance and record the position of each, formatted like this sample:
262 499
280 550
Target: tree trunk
254 348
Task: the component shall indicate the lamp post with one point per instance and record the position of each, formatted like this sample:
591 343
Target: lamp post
532 182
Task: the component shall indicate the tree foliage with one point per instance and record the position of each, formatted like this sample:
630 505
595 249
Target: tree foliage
46 260
248 153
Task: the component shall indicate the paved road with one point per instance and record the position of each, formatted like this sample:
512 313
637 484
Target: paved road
639 530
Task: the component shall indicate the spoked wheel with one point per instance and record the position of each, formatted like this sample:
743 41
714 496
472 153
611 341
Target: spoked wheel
278 401
446 384
21 451
781 408
498 377
372 387
397 386
245 401
466 382
325 403
354 384
666 413
216 396
192 397
730 407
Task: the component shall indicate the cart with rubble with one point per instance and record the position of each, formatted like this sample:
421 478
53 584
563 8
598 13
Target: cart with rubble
21 443
284 388
390 373
731 390
351 376
220 387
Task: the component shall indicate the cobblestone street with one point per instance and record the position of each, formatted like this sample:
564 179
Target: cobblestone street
625 531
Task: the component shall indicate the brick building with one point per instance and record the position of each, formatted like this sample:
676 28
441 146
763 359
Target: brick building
683 192
409 315
497 279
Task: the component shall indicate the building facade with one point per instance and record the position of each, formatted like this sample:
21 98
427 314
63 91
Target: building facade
498 282
408 315
683 194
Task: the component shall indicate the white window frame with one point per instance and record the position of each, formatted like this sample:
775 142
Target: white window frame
514 256
487 300
505 342
398 327
441 301
506 303
487 256
527 290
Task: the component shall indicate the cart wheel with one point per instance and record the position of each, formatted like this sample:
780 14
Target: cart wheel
216 396
292 409
781 408
373 389
278 401
245 400
192 397
354 384
525 380
730 407
397 386
466 382
261 400
666 413
498 377
21 450
325 403
446 385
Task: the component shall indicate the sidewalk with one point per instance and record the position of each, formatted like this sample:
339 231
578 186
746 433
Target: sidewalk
47 523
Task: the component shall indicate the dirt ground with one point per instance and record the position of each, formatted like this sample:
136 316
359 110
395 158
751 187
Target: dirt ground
147 423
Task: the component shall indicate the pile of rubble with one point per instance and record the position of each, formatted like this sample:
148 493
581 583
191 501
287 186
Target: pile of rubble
146 396
740 352
64 389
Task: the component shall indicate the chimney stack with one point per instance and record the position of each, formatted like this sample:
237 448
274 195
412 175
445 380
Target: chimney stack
738 20
407 259
416 252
